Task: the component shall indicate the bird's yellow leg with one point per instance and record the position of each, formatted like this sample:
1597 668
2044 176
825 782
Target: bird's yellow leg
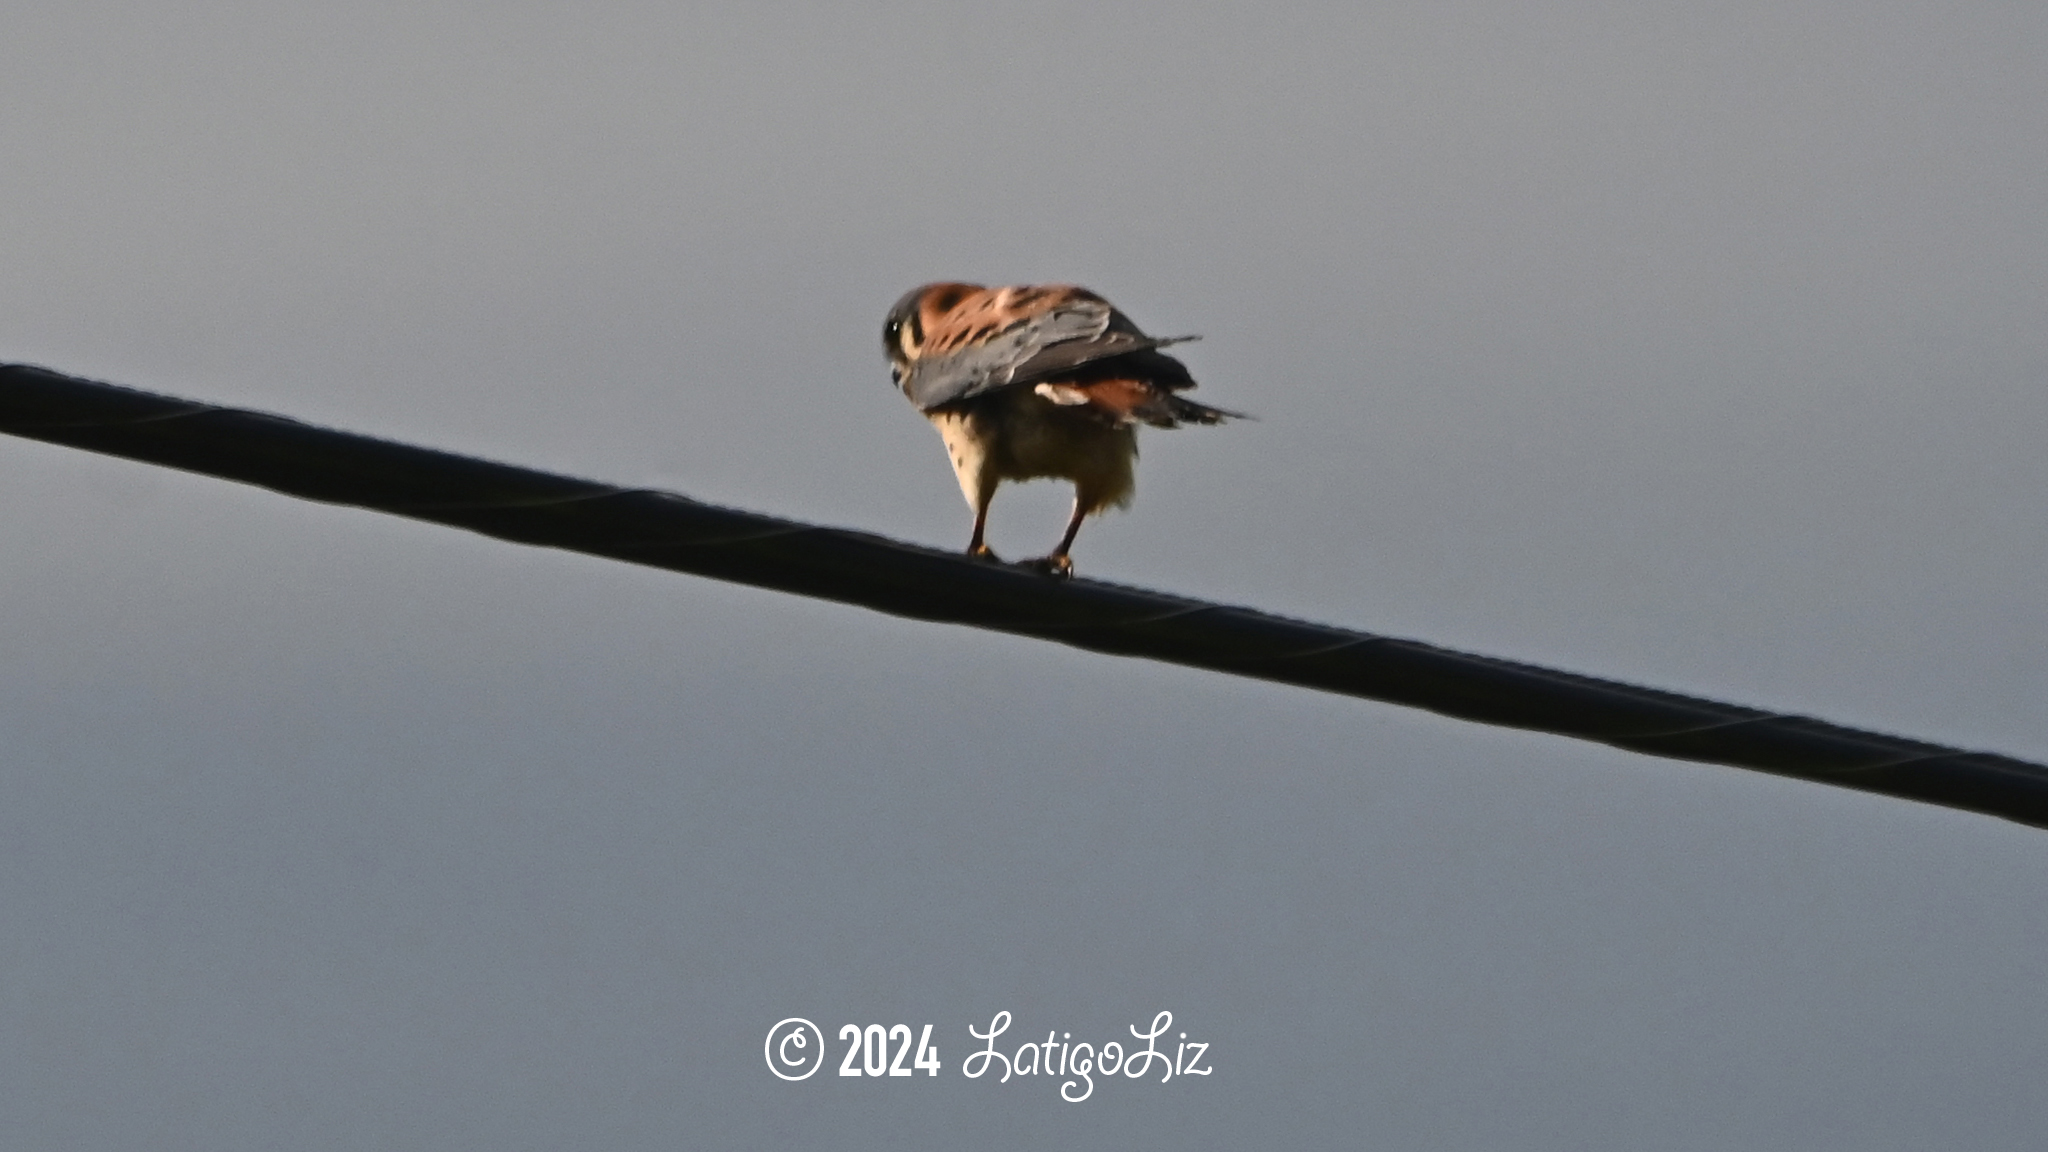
1073 529
1058 565
977 548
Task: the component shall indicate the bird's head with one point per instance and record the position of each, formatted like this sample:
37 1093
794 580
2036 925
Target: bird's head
903 331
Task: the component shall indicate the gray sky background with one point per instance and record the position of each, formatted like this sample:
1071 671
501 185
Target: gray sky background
1699 345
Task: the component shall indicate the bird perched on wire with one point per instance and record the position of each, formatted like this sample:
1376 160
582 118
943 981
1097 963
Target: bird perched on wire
1037 381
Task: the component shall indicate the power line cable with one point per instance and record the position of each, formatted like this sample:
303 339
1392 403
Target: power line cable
666 530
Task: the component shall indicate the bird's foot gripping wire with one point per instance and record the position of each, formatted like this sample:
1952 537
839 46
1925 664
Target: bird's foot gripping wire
1055 567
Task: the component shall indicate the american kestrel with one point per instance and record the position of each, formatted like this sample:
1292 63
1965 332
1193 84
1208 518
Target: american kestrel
1036 381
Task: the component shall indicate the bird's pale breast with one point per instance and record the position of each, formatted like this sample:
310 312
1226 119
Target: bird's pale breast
1020 435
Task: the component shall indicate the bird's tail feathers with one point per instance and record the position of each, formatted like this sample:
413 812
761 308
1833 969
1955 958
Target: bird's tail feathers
1186 411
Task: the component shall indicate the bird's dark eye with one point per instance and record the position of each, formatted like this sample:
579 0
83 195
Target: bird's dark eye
890 331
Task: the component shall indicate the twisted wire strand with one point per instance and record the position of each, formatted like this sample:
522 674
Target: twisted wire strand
667 530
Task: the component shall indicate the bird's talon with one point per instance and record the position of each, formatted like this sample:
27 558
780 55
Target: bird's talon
1052 567
984 554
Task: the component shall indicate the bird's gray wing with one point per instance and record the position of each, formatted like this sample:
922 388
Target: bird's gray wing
1060 339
